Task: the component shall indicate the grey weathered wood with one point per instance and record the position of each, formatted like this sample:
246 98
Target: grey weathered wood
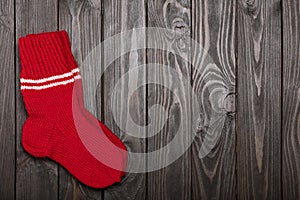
35 178
291 101
214 28
259 100
82 20
251 170
120 16
7 103
173 181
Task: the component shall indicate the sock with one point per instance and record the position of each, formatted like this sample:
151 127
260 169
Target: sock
58 122
62 40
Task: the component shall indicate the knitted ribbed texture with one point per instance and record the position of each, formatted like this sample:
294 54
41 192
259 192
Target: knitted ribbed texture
52 93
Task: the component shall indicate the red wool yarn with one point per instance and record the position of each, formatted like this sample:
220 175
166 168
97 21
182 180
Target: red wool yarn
57 121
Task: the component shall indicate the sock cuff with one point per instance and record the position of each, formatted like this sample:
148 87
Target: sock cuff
46 55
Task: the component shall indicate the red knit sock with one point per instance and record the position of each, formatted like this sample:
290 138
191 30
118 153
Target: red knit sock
58 126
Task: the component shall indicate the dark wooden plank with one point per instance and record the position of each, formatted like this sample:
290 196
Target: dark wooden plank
291 101
7 103
82 20
214 28
173 119
259 100
118 17
35 178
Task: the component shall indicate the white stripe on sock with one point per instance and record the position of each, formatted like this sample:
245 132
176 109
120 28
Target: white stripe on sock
41 87
51 78
77 77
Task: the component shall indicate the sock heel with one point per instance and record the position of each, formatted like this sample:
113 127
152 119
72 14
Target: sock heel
36 136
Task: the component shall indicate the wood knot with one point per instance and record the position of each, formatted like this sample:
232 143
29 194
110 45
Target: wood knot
251 7
229 103
181 33
180 26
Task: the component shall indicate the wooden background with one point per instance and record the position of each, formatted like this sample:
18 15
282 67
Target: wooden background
255 45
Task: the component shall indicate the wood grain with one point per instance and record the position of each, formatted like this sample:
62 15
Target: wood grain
7 102
35 178
172 181
250 56
118 17
259 100
83 21
214 28
291 101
